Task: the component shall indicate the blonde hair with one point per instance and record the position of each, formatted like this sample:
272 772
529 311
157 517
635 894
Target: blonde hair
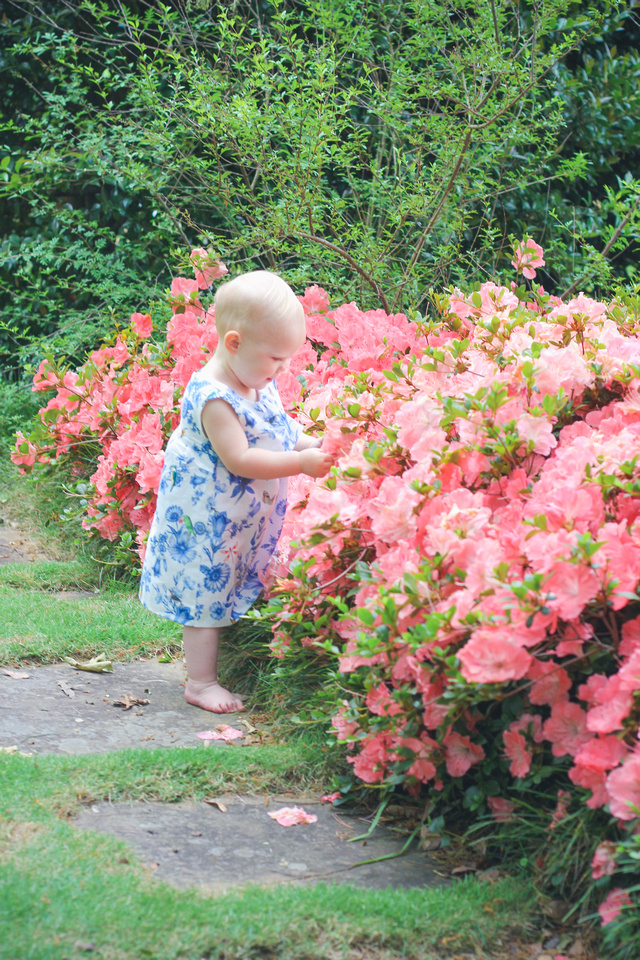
259 297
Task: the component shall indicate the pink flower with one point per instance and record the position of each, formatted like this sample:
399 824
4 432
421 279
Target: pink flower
612 907
141 324
343 727
552 682
629 673
206 268
45 377
370 764
460 753
566 728
380 702
516 751
330 797
501 808
528 257
222 732
623 785
571 586
614 705
392 511
603 863
560 812
292 816
601 753
490 657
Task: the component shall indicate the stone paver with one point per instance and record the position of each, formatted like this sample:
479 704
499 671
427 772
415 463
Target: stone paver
195 844
38 716
190 844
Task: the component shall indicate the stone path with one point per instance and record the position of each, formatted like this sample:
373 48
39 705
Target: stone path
58 709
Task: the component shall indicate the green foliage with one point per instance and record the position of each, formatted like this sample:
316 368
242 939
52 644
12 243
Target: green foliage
367 146
81 244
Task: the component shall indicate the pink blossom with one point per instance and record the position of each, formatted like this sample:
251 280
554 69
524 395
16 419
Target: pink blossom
614 702
613 905
206 268
538 431
516 751
141 324
501 808
292 816
570 587
527 257
623 785
491 657
603 863
630 637
601 753
330 797
392 510
629 673
566 728
460 753
342 726
371 762
380 702
552 682
45 377
591 779
222 732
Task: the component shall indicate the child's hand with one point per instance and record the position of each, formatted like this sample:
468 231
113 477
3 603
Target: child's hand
314 462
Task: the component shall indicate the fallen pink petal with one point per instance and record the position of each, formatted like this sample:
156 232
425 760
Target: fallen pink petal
291 816
223 732
330 797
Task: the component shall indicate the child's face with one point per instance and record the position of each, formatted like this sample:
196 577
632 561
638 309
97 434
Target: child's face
261 355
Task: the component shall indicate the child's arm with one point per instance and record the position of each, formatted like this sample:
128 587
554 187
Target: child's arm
229 441
306 442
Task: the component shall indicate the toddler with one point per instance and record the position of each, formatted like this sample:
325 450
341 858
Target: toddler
222 495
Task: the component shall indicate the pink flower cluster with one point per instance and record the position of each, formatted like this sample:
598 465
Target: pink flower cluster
478 540
125 401
483 524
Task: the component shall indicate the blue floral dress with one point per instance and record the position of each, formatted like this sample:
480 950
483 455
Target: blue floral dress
214 533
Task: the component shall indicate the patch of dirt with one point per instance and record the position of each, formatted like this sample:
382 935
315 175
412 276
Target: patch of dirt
17 546
17 834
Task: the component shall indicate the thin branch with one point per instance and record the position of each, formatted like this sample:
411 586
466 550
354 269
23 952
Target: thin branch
576 283
346 256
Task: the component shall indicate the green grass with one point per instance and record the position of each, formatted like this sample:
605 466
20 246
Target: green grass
54 783
40 626
52 575
61 889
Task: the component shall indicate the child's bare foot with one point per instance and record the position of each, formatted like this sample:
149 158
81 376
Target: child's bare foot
213 697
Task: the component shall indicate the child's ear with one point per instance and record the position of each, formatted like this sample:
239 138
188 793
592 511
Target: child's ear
232 340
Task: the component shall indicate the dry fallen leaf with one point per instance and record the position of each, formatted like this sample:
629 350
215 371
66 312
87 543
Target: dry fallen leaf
66 689
222 732
291 816
222 807
98 664
429 840
16 674
464 868
129 701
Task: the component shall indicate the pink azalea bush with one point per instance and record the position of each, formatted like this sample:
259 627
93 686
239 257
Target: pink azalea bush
470 566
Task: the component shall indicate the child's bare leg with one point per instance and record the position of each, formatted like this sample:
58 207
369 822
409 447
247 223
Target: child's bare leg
201 656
